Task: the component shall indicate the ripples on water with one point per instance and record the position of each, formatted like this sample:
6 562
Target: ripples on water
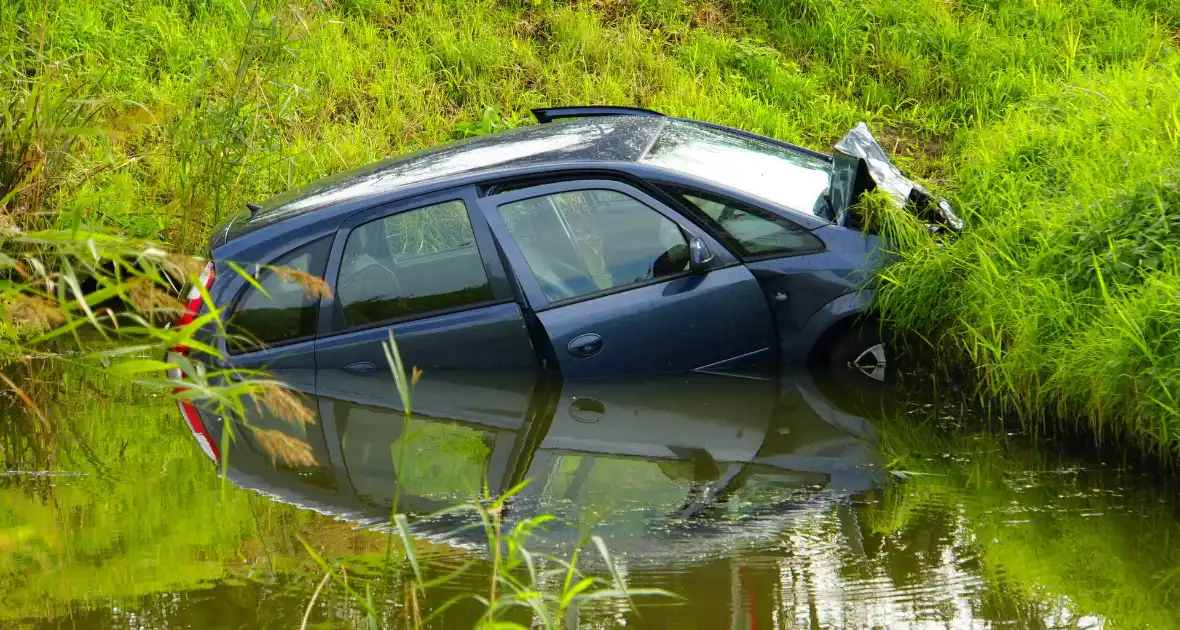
764 503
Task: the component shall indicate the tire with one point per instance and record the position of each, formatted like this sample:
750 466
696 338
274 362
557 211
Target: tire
856 390
859 355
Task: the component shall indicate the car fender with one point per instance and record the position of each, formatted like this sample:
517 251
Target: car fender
846 306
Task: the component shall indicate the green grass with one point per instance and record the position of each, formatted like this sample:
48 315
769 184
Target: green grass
1053 125
1063 293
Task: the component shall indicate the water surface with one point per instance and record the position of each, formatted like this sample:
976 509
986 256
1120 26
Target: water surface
776 502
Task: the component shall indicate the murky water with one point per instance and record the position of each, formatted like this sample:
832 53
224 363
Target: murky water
776 502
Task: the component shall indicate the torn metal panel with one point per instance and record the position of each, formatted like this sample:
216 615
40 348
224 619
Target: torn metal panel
859 146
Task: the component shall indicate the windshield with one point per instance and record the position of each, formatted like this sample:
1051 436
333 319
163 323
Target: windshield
775 173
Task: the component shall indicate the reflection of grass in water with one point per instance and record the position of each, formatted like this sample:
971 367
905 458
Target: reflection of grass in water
442 459
147 514
611 490
1042 530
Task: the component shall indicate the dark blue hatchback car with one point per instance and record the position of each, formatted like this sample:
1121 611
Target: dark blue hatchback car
604 242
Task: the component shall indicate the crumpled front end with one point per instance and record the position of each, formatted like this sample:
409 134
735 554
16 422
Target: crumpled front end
862 165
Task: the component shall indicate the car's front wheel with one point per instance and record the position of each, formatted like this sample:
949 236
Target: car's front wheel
860 354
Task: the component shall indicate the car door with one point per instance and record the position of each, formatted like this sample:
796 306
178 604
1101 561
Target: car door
606 269
427 271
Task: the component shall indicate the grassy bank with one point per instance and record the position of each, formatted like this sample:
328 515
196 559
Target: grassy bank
1063 295
1052 125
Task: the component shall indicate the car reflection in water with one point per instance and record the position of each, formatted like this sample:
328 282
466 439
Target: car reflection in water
664 468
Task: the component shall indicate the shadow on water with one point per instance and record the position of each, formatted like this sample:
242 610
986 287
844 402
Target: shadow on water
768 502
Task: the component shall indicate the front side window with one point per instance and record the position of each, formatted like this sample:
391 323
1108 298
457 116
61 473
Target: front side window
286 308
585 241
409 264
753 232
778 174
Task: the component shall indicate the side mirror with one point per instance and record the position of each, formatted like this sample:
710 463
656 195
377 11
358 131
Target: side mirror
699 254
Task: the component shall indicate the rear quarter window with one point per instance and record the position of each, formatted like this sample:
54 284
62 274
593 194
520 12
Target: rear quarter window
285 310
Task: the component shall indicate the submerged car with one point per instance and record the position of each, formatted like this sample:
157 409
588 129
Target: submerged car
603 242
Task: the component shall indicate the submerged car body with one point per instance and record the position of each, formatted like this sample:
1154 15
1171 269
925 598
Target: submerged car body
608 243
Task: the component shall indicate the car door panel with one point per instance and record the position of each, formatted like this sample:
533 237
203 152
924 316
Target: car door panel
683 324
488 338
662 322
293 364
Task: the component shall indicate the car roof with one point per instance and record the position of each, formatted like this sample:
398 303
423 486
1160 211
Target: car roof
596 139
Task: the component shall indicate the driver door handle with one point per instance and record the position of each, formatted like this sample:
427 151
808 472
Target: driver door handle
360 368
585 346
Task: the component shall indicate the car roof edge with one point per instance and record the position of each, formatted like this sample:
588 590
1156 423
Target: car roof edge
550 114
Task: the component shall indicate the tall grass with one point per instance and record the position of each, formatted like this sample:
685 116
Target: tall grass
216 104
1062 295
73 292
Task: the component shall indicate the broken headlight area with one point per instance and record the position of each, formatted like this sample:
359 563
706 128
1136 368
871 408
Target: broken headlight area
861 165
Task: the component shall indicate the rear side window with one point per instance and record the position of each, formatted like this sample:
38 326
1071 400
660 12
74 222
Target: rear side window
753 232
409 264
287 310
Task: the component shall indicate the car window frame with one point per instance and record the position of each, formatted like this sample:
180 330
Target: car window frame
247 287
527 280
679 190
331 319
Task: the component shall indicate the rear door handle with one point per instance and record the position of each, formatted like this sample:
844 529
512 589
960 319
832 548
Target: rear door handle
360 368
